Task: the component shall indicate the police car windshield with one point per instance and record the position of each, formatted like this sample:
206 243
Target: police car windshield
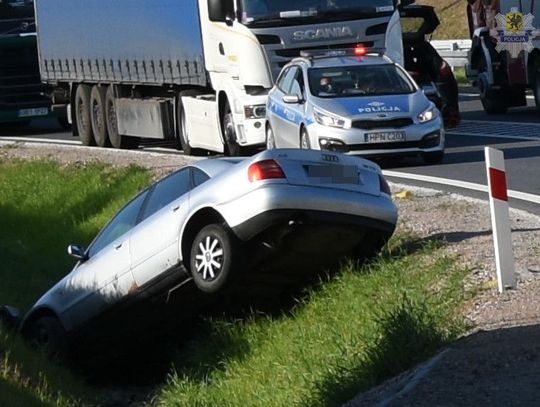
358 80
16 9
267 13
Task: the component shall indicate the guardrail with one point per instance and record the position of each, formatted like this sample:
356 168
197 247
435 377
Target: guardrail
453 51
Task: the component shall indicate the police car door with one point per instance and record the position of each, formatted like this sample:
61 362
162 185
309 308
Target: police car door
287 108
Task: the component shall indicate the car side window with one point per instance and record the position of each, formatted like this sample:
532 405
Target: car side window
288 79
281 79
122 223
166 191
199 177
297 86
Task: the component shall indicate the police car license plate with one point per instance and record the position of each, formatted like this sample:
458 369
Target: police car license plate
40 111
385 137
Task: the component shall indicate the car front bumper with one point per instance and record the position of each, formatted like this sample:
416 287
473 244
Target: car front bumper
419 138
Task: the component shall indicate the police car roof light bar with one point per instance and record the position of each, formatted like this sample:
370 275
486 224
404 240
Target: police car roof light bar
359 50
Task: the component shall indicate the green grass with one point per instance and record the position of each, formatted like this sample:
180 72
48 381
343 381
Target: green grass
44 206
461 77
344 335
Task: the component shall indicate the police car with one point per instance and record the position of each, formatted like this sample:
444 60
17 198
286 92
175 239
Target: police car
352 101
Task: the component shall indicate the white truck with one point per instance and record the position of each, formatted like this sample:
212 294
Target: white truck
196 72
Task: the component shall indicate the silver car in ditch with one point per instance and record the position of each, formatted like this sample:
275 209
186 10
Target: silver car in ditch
215 222
357 102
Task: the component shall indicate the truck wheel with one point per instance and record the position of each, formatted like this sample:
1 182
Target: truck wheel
232 147
270 139
116 140
182 136
82 115
97 114
493 101
212 258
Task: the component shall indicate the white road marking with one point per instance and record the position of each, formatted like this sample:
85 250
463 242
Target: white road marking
477 95
523 196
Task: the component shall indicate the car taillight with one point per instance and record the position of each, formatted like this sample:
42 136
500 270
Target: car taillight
445 70
384 185
266 169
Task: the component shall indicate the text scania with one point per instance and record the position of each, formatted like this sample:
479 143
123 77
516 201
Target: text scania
379 109
323 33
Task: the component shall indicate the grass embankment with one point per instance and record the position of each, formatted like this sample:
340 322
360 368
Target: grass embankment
345 335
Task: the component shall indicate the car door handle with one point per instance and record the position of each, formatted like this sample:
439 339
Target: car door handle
175 208
118 246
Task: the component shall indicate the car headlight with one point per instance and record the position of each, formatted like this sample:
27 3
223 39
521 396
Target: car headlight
327 119
255 111
427 115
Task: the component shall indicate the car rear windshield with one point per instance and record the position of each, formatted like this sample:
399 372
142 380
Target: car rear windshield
357 80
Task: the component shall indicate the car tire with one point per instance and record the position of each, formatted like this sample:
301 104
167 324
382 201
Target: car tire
97 114
48 333
433 158
213 258
182 139
82 115
116 140
304 139
270 139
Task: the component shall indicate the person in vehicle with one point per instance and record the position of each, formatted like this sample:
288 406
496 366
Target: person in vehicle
327 85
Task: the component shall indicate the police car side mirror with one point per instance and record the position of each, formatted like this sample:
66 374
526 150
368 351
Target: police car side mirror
430 90
292 99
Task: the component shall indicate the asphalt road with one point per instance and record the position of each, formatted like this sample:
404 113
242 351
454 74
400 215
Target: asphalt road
517 133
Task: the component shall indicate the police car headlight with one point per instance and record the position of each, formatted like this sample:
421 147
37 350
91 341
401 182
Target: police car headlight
428 115
327 119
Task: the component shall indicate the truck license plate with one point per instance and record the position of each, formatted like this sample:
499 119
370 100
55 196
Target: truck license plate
385 137
40 111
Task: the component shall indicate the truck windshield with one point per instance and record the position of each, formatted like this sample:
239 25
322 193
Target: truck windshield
16 9
266 13
358 80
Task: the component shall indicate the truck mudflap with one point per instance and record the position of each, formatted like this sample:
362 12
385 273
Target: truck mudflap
202 122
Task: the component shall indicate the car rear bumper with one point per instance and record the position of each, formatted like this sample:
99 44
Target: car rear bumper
279 202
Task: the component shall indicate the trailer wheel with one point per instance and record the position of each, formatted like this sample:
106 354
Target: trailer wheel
493 101
232 147
117 141
82 115
182 136
97 113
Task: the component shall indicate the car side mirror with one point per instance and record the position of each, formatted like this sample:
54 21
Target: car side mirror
292 99
77 251
430 90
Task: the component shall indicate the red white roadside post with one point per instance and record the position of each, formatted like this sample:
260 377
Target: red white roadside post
500 218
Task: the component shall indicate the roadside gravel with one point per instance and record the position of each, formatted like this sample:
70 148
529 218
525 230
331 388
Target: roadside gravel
477 370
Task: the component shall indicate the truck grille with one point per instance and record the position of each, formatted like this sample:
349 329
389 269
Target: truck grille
20 82
382 124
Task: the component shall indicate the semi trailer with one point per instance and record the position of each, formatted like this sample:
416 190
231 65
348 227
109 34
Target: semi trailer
22 94
194 72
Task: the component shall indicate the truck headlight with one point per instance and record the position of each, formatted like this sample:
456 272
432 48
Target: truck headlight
327 119
428 115
255 111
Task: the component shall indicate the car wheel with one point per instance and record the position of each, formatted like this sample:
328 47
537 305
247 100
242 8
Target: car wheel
82 115
212 257
116 140
433 158
48 333
304 139
270 140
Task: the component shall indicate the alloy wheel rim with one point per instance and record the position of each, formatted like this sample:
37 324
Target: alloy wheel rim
209 258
